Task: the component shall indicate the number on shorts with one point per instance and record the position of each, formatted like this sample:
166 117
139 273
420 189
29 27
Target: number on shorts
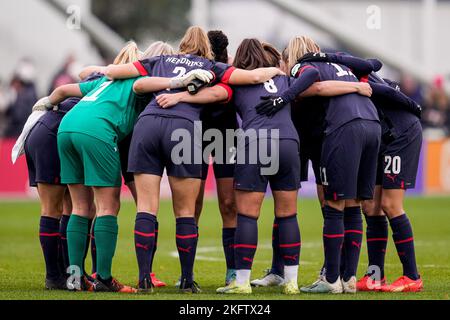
323 176
392 164
270 86
179 71
97 93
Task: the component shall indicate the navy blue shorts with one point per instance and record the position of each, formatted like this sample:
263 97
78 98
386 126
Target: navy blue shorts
223 168
349 161
248 177
310 150
152 147
41 151
124 150
398 161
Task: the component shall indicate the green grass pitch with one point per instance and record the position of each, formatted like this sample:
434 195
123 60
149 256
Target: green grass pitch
22 267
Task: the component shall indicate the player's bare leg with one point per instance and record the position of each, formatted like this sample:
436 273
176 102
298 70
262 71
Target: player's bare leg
199 202
184 195
228 213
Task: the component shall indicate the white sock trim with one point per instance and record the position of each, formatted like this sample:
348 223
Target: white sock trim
290 273
242 276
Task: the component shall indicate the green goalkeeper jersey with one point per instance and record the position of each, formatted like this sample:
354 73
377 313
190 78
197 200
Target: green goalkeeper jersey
108 111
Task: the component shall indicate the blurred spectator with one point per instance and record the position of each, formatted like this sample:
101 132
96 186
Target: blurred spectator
4 103
67 74
436 116
412 88
19 98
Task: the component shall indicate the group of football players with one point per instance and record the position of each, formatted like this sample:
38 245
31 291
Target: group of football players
125 120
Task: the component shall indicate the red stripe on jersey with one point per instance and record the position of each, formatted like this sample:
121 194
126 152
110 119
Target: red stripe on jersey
300 72
229 91
364 79
140 68
227 75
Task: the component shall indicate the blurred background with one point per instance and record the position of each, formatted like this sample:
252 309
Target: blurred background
44 44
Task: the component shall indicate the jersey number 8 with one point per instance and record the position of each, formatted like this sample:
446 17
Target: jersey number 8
270 86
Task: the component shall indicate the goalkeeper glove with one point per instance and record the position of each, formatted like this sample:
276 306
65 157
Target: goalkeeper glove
184 81
43 105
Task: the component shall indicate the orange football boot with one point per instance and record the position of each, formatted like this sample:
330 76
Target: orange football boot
156 282
112 286
404 284
367 284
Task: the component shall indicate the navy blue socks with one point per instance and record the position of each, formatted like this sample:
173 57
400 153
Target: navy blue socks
49 237
144 240
187 239
333 239
353 225
404 242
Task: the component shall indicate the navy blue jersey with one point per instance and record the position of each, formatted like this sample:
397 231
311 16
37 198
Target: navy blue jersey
52 119
178 65
345 108
401 119
246 98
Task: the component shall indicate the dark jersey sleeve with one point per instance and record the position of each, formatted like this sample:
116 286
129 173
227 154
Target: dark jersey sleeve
303 82
300 68
360 67
222 73
145 66
399 99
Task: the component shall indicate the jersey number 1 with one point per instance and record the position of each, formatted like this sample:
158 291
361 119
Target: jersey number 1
341 72
97 93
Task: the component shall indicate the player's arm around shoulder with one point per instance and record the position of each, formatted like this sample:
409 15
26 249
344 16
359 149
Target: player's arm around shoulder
220 93
337 88
240 77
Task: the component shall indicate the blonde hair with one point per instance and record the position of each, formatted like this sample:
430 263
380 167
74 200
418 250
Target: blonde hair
130 53
298 47
158 48
196 42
